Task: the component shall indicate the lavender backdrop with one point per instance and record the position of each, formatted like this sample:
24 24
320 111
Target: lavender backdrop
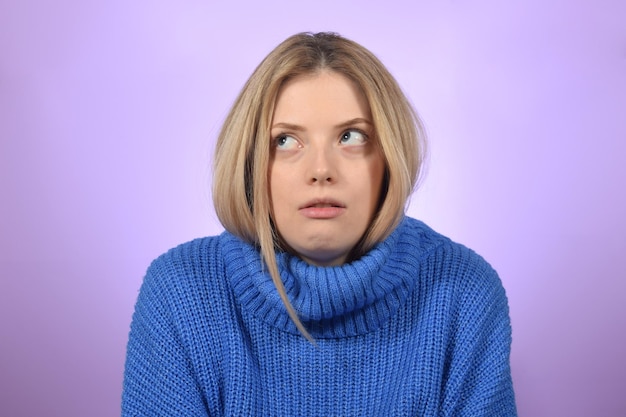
109 111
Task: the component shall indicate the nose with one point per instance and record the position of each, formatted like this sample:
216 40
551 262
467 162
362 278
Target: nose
322 167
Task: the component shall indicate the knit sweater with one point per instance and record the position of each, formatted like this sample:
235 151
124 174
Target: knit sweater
418 326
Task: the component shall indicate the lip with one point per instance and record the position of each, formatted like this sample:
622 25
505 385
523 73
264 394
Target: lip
322 208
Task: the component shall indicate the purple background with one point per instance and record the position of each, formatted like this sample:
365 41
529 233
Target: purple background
109 112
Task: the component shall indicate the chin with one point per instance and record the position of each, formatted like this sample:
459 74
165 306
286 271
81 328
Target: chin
323 257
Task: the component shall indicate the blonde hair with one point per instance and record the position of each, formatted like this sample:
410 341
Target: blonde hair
242 155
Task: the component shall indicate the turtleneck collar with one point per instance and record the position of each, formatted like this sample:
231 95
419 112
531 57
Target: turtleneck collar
340 301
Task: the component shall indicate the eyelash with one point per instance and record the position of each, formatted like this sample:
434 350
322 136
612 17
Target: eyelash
281 136
359 131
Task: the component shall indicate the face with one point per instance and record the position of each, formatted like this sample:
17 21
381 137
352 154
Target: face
326 169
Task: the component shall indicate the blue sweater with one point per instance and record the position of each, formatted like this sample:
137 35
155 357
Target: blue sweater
418 326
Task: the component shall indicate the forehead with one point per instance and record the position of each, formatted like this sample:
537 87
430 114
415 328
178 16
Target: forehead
326 93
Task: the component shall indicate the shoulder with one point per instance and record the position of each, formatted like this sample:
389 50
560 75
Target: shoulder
450 261
193 256
462 286
192 267
186 257
187 287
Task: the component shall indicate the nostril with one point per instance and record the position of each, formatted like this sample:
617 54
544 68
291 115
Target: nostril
327 179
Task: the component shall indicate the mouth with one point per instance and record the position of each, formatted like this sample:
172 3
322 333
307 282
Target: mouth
322 209
322 203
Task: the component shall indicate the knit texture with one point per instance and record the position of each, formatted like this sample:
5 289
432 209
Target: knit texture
418 326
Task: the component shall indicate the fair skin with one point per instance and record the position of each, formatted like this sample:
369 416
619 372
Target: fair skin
326 170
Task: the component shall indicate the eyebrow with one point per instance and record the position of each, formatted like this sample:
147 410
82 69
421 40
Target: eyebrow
298 128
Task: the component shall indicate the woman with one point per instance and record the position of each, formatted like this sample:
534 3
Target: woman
321 298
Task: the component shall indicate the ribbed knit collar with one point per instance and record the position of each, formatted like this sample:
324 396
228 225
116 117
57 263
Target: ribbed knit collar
346 300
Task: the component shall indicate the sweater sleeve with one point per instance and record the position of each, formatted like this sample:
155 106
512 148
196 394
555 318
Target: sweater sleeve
478 380
158 378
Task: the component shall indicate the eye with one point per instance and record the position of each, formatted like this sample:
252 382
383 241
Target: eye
353 137
286 142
